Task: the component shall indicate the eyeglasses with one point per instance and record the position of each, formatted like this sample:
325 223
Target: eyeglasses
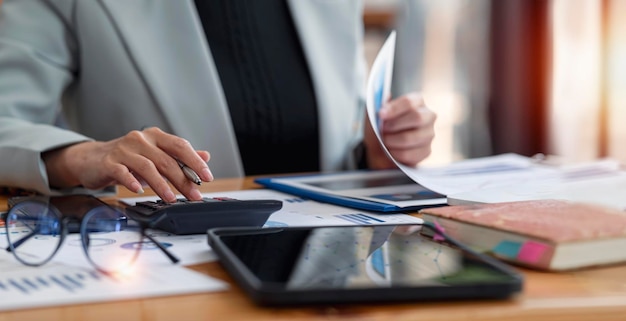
36 229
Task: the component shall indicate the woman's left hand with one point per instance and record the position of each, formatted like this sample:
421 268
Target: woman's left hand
407 132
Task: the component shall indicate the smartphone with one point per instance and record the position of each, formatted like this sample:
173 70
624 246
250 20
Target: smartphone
355 264
75 207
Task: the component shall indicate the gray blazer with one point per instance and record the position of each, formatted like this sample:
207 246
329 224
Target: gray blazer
111 66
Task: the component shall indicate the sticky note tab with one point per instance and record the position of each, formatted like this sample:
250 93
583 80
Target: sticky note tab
531 251
508 249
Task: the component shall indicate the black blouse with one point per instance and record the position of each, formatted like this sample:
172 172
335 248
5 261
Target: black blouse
266 81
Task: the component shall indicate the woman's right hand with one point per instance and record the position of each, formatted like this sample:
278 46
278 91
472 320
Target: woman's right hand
148 156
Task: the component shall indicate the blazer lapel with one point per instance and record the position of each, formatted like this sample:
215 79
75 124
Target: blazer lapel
166 41
332 44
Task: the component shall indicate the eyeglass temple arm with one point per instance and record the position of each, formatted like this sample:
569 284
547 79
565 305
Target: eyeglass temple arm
16 244
169 254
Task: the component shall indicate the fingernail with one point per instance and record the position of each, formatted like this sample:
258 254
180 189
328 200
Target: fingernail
195 194
170 196
137 188
382 112
207 175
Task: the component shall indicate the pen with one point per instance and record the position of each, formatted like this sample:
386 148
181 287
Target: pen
190 173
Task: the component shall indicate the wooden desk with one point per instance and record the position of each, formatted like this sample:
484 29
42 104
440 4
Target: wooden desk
594 294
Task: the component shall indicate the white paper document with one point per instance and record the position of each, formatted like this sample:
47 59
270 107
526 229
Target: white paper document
599 182
297 211
450 179
194 249
70 279
59 284
500 178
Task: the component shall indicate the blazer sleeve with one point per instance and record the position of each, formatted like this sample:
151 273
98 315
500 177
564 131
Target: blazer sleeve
37 63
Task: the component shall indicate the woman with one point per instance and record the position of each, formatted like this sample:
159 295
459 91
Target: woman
98 93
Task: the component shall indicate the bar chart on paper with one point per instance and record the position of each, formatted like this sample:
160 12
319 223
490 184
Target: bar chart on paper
55 284
299 211
34 283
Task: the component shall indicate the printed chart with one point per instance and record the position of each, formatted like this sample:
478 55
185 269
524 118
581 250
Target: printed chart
57 284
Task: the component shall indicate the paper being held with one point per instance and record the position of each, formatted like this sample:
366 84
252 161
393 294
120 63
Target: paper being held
446 180
464 176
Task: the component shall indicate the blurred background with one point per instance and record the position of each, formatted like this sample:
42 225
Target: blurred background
523 76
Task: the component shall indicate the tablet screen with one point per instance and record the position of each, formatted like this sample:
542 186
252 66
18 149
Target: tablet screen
363 182
356 257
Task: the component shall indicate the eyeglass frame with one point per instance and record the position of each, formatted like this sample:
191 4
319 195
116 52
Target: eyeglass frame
65 219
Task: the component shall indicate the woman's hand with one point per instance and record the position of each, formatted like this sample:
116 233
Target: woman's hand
140 156
407 132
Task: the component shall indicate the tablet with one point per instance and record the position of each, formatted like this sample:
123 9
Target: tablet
351 264
388 191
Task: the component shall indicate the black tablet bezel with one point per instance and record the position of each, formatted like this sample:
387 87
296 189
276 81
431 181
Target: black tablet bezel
276 295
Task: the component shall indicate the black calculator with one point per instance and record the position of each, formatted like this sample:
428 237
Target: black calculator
196 217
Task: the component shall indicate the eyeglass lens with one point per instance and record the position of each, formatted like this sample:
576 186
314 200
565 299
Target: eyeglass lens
35 231
111 242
